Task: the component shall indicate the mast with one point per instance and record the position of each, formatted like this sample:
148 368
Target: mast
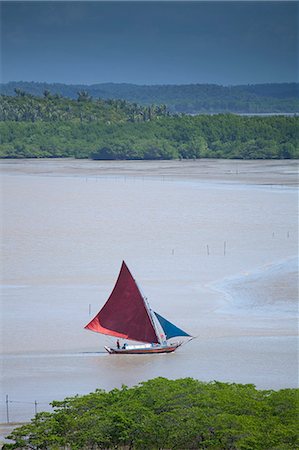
152 319
149 312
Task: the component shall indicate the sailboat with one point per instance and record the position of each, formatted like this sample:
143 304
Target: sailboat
127 315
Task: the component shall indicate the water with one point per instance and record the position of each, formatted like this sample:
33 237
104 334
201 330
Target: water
182 229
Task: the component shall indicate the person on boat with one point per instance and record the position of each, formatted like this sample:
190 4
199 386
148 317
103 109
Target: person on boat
124 346
117 343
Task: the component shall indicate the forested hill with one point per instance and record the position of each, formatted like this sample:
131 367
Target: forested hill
52 126
190 98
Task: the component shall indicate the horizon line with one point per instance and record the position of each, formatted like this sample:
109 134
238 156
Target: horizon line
147 84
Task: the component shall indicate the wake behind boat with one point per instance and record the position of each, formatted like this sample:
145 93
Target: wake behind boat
127 315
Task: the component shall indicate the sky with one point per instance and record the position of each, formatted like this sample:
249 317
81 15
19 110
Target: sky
149 42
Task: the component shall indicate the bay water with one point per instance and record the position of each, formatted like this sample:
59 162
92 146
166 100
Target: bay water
212 244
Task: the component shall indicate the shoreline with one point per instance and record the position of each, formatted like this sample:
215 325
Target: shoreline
261 302
268 173
262 275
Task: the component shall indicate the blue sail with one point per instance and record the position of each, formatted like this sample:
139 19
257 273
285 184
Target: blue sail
170 330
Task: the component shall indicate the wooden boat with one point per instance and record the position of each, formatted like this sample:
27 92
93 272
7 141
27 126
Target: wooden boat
127 315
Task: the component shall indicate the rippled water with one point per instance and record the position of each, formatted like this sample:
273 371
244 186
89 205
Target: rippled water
65 231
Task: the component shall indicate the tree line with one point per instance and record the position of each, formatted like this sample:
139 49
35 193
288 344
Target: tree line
53 126
167 414
189 98
25 107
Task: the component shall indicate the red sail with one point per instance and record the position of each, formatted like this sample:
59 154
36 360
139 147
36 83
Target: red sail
124 314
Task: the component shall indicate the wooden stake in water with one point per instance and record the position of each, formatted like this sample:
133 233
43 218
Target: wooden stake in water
208 250
89 309
35 406
224 248
7 411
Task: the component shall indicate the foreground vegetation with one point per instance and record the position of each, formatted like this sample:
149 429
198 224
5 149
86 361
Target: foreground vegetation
52 126
165 414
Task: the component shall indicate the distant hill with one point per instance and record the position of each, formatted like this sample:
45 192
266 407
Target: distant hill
189 98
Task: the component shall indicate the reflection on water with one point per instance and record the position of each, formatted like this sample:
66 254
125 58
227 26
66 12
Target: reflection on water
63 240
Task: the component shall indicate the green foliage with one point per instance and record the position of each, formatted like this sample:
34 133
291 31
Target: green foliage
25 107
51 126
189 98
168 414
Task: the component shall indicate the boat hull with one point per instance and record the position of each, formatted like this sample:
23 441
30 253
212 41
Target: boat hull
142 351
